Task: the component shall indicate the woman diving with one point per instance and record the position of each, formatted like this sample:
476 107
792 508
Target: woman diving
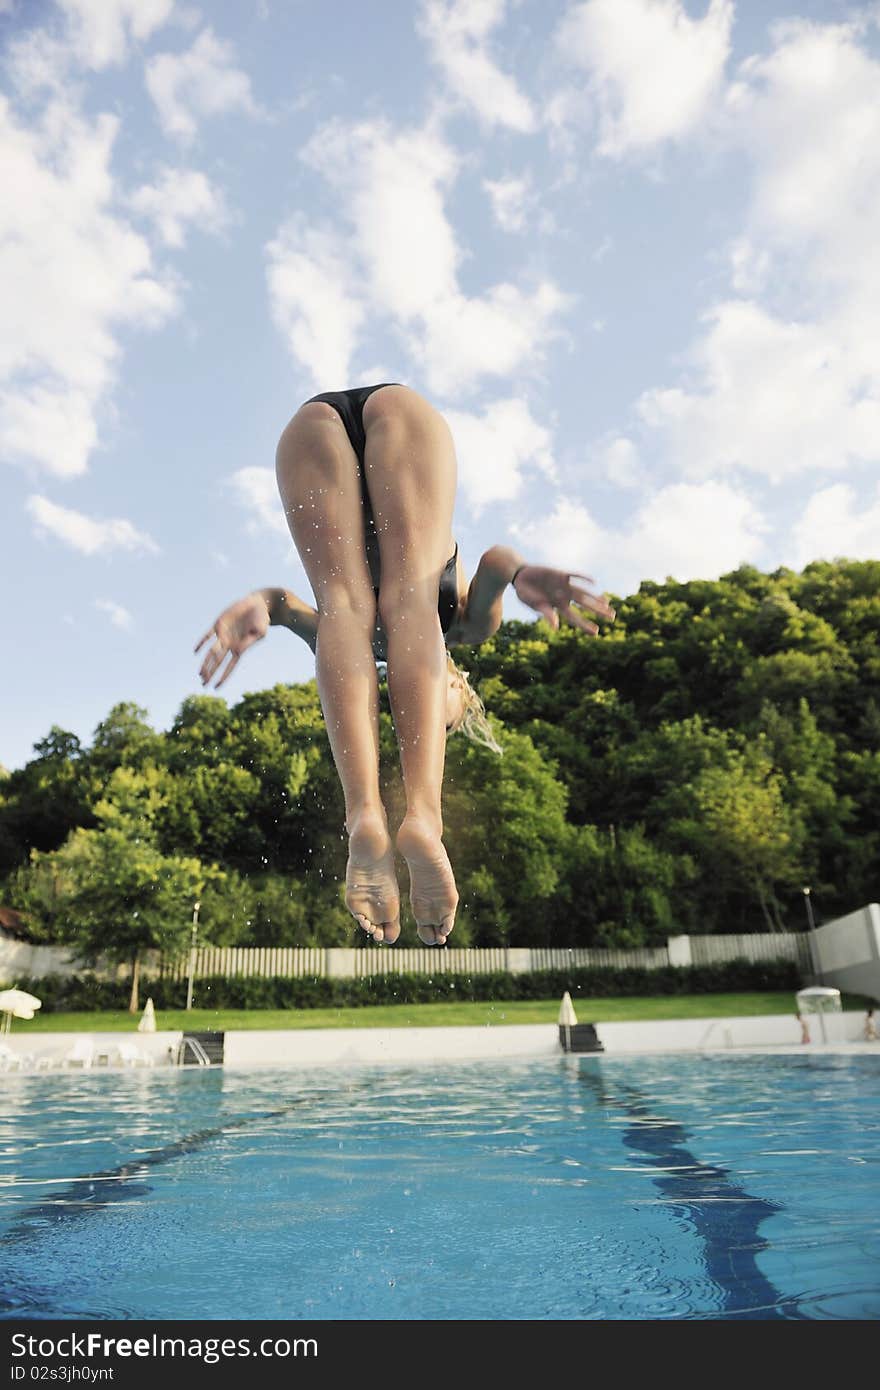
367 479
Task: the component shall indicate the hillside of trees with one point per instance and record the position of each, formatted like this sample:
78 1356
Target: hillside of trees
690 770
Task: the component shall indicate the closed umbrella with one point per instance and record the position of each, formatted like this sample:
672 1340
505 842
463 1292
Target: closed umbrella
148 1019
567 1020
567 1015
16 1003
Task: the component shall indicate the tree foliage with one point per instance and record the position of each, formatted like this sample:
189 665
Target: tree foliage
692 769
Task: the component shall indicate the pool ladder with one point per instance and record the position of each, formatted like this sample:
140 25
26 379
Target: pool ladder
201 1057
200 1049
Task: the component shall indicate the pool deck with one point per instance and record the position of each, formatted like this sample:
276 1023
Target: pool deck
346 1046
306 1048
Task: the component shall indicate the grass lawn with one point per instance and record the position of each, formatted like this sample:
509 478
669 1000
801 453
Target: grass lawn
624 1010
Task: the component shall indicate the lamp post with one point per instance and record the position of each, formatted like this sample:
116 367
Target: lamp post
814 943
809 906
192 956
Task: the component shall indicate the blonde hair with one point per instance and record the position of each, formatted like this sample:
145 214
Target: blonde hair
472 722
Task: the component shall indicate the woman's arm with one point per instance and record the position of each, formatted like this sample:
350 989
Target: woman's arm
247 621
550 592
287 610
481 613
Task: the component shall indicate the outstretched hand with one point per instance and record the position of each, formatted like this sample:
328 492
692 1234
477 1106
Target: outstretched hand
241 625
554 595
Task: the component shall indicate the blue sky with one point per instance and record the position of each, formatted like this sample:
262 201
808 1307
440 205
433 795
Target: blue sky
627 246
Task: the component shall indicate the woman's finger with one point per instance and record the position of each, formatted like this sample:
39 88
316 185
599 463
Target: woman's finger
597 603
233 662
549 612
213 657
577 621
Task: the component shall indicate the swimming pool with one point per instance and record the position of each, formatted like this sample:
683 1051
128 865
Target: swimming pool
595 1187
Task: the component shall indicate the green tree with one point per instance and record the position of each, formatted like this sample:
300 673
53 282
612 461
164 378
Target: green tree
621 890
123 739
506 831
746 840
43 801
116 896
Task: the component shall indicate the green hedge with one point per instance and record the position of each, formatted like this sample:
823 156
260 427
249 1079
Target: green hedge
86 992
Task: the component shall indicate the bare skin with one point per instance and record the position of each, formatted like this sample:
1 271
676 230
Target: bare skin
411 476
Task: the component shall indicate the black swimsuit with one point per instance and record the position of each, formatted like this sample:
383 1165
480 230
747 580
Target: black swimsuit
349 406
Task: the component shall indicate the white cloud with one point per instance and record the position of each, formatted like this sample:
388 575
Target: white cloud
73 273
837 524
790 379
685 531
203 81
808 117
180 197
494 448
93 34
569 538
464 340
49 425
620 463
392 188
653 71
313 301
257 491
119 616
36 60
101 29
773 397
83 533
692 531
510 200
457 32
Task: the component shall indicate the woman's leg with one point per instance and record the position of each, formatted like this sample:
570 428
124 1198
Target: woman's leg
319 482
411 479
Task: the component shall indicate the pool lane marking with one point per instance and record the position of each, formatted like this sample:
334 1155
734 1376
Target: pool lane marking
725 1217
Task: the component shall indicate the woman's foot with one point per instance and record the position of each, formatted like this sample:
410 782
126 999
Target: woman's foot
371 893
433 894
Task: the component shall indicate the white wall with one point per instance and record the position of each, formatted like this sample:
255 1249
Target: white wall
321 1047
19 960
846 952
340 1046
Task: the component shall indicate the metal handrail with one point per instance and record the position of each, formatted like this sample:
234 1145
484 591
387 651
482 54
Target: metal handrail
199 1052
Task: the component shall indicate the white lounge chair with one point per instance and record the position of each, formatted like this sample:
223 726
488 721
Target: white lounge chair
10 1060
130 1055
82 1054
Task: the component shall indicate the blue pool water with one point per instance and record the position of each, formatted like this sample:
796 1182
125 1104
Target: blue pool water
659 1187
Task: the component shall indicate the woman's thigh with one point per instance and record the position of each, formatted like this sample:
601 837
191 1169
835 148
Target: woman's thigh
411 476
320 487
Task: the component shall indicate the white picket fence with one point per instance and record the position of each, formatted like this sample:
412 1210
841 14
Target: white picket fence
759 946
235 961
18 960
